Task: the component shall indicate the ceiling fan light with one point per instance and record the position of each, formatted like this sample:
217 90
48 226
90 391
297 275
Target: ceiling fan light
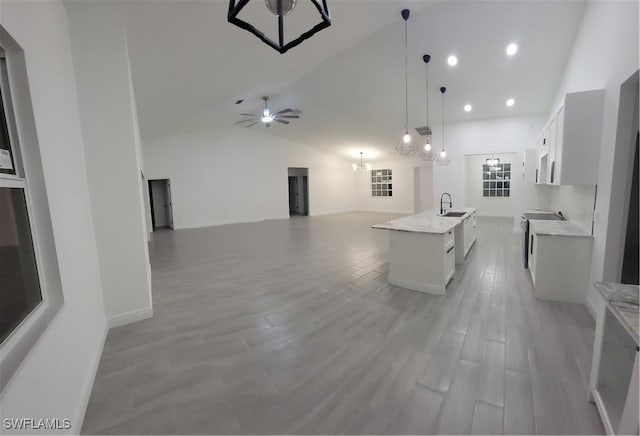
287 6
267 119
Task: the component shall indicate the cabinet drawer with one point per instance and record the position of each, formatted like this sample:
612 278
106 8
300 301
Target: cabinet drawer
449 263
448 240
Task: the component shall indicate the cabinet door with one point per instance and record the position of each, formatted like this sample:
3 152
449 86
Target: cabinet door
533 249
551 153
557 159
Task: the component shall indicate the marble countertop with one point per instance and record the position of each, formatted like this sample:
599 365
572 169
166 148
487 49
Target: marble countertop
623 302
428 221
557 228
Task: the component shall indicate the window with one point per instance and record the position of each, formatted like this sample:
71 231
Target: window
30 286
381 183
496 180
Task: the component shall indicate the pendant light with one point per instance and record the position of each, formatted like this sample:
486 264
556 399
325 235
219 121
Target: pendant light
361 165
443 159
279 9
426 151
406 147
493 161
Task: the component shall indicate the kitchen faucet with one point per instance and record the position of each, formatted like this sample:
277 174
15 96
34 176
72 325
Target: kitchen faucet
442 201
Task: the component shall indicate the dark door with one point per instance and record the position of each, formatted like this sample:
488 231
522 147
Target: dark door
630 260
293 195
305 195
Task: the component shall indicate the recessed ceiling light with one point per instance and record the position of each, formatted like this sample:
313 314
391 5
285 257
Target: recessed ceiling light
452 60
467 108
511 102
512 49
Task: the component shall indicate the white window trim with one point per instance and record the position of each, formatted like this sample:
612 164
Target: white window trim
28 163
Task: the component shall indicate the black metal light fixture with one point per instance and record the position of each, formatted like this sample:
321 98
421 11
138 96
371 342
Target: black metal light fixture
280 8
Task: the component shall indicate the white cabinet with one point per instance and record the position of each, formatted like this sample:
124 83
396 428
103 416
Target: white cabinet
466 236
559 266
423 262
614 369
470 226
569 145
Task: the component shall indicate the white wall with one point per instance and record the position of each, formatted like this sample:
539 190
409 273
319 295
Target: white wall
575 202
403 199
114 163
503 135
56 377
240 175
608 35
494 206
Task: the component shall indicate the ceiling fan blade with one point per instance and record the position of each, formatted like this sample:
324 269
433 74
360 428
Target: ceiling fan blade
278 120
252 124
283 111
288 116
244 121
249 115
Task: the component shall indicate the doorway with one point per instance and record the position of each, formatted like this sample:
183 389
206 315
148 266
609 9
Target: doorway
621 250
160 203
298 191
423 189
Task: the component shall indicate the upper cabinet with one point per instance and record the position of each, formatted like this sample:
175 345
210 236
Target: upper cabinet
568 148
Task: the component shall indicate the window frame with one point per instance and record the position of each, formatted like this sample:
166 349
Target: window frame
487 190
29 177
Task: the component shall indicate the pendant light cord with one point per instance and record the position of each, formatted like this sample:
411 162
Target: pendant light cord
426 67
443 120
406 80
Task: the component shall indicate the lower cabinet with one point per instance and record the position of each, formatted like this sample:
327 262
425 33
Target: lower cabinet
422 262
559 267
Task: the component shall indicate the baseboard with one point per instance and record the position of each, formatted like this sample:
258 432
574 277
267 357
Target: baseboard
129 317
78 419
333 212
591 307
425 288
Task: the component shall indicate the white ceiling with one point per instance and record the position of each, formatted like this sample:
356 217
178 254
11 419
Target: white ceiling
189 66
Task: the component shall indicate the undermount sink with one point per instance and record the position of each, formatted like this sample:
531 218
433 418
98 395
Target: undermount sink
454 214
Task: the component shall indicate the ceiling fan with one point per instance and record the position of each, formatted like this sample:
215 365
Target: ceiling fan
267 117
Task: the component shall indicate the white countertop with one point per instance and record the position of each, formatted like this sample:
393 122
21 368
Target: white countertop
426 222
557 228
623 302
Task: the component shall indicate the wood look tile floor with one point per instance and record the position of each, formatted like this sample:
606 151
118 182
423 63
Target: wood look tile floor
289 326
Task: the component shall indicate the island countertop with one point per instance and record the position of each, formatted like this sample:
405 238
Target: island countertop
557 228
623 301
428 221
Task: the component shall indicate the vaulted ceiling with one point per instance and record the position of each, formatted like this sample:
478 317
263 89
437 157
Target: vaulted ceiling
189 66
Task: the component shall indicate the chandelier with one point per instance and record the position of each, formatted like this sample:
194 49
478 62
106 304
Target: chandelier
406 147
361 165
280 9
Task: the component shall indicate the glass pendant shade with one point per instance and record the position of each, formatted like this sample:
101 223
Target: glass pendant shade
287 6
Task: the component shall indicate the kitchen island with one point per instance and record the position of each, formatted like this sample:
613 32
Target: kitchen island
422 248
